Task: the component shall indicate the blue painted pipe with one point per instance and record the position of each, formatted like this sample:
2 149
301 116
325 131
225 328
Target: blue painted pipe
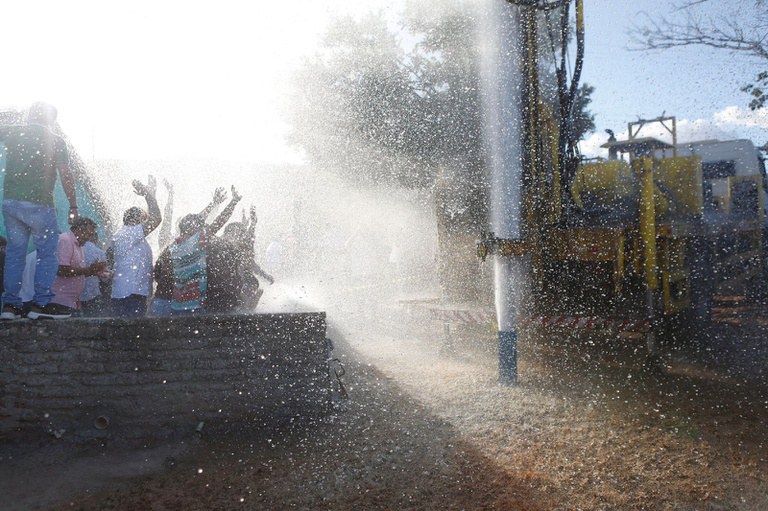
508 357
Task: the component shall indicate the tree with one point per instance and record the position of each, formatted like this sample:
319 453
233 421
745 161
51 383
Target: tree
377 109
583 118
369 108
353 104
758 91
707 23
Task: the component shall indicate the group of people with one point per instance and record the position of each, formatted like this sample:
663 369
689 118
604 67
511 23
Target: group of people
197 272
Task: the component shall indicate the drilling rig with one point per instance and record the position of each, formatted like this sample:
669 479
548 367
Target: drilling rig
645 240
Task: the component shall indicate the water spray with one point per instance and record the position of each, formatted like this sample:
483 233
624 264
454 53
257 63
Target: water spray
504 52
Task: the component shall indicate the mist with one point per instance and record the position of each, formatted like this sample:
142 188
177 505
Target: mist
340 241
354 130
355 214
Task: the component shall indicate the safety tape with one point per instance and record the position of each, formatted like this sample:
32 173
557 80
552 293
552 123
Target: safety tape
588 323
554 322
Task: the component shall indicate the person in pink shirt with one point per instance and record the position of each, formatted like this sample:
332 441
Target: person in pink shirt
70 278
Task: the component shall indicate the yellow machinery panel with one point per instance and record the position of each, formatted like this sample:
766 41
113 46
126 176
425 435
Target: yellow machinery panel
604 184
679 188
592 245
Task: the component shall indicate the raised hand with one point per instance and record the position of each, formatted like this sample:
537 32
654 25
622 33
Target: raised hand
139 188
220 195
235 196
73 215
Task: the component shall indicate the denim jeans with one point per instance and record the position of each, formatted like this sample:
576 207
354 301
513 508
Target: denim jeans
132 306
160 308
24 220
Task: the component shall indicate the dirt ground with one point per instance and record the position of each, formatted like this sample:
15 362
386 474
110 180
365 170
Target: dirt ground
427 427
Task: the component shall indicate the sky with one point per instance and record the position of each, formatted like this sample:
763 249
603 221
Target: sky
151 79
699 86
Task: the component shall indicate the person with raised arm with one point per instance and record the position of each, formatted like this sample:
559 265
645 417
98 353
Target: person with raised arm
242 236
132 279
191 253
163 270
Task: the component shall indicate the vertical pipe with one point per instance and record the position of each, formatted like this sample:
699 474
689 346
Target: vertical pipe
509 273
644 168
503 50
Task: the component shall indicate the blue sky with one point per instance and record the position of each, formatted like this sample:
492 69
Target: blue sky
700 86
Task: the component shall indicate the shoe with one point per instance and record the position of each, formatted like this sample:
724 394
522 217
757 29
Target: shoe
50 311
10 312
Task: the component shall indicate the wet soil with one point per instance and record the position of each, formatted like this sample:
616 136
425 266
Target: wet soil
427 426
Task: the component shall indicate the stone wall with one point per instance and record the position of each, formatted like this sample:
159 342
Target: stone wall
84 379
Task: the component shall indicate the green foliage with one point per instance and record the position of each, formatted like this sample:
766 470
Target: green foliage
400 105
385 107
758 91
360 107
350 101
583 119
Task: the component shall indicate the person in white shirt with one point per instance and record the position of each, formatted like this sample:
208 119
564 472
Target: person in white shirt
132 279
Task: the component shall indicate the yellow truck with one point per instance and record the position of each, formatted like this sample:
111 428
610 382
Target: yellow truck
655 233
646 240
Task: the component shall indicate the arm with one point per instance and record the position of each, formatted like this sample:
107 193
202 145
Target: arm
154 217
68 184
258 270
251 255
224 215
167 225
88 271
219 196
65 257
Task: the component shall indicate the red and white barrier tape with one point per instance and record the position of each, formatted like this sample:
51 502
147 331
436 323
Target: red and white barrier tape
557 322
588 323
